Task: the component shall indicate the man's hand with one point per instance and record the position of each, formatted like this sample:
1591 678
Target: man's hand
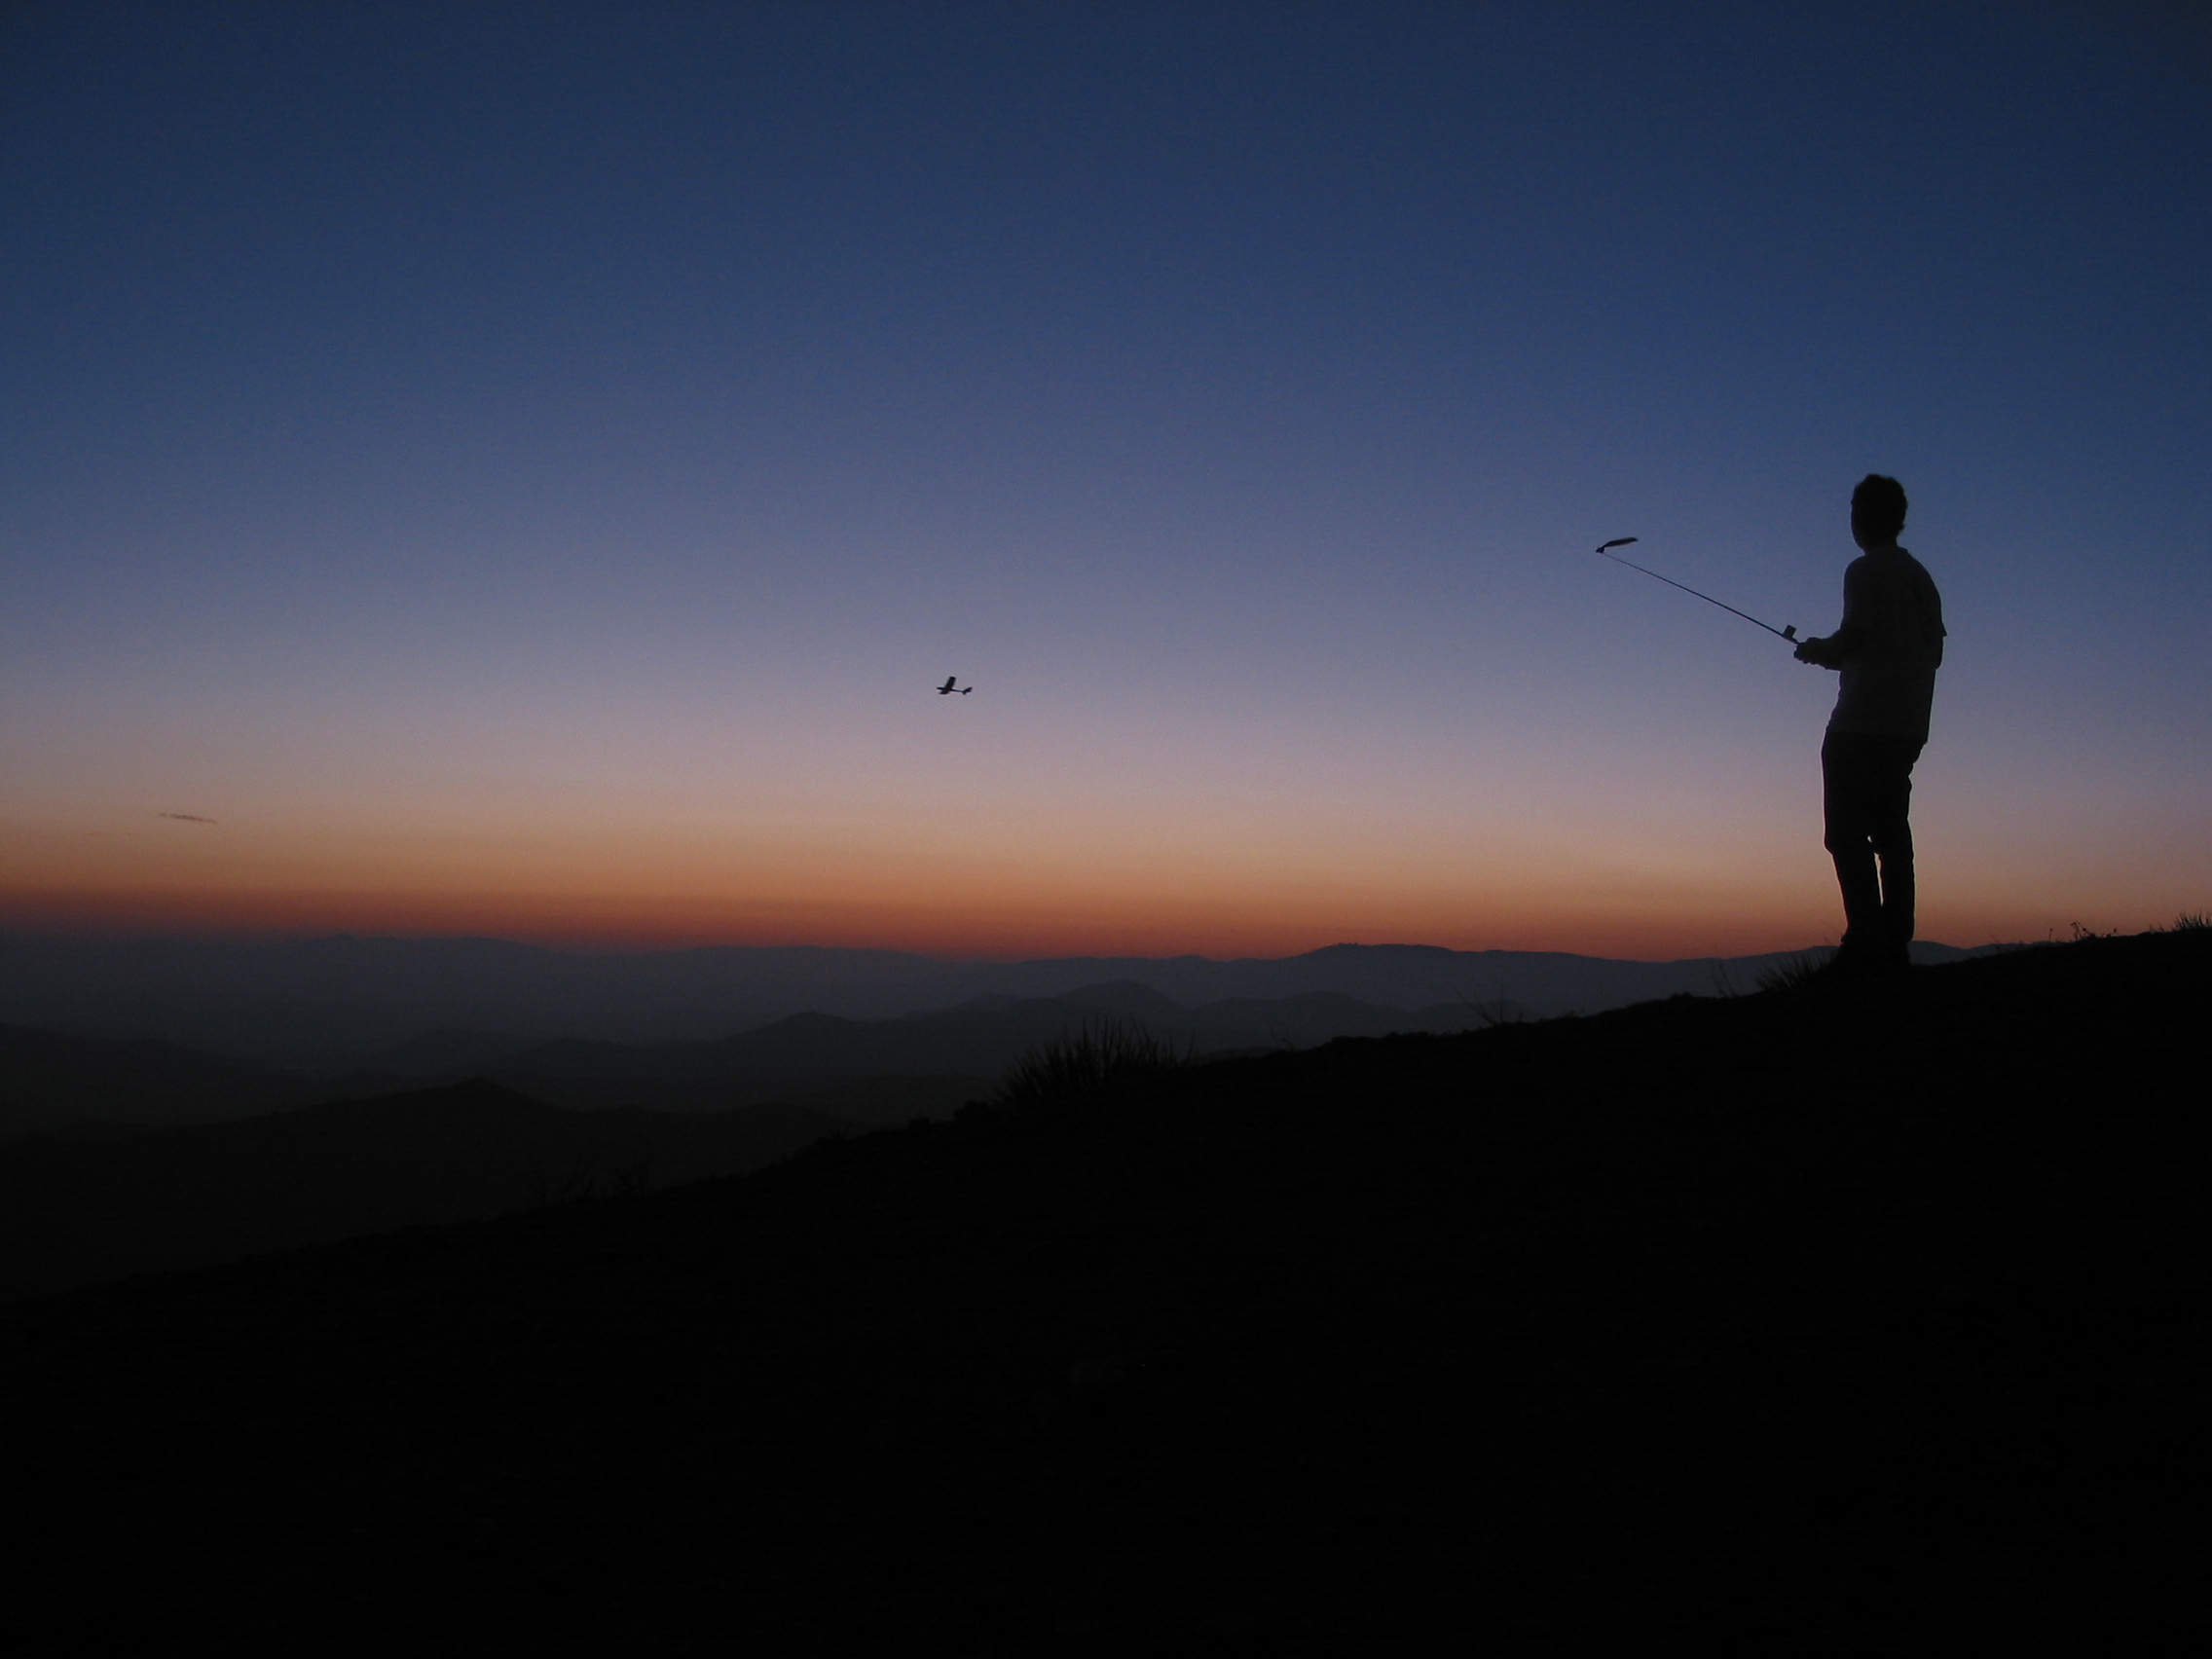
1818 653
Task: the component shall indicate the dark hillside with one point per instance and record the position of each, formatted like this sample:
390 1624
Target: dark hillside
1826 1321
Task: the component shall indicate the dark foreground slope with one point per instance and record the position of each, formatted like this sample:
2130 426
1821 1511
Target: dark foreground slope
1813 1322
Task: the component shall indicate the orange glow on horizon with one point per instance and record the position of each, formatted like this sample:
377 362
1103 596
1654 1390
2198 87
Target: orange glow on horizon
1019 887
1012 932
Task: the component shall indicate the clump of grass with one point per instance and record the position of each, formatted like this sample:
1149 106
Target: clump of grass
1794 970
591 1176
1497 1011
1088 1059
2192 921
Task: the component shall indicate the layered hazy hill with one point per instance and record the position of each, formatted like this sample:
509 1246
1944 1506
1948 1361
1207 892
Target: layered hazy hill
86 1209
131 1155
868 1070
89 1188
982 1037
51 1080
1773 1324
334 1002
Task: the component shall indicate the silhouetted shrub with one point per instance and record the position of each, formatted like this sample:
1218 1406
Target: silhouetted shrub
2192 921
1794 970
1497 1011
1088 1059
593 1174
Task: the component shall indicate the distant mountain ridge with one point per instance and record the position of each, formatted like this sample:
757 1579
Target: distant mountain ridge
331 1002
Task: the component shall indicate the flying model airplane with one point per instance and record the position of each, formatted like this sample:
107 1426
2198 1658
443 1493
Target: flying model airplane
947 688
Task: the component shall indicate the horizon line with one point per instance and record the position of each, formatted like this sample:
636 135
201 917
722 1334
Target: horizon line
271 938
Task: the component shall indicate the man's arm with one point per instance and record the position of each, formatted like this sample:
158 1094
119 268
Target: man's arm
1847 640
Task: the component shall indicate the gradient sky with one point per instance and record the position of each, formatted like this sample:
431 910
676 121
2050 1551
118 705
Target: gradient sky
520 469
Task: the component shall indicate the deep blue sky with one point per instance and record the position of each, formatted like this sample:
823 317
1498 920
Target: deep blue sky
515 466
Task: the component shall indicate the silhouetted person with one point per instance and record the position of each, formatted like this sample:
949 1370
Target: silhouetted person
1889 648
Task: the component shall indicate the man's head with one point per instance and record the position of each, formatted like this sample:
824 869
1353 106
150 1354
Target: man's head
1877 511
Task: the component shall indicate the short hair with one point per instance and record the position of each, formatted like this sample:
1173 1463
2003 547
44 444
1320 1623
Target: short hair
1878 505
